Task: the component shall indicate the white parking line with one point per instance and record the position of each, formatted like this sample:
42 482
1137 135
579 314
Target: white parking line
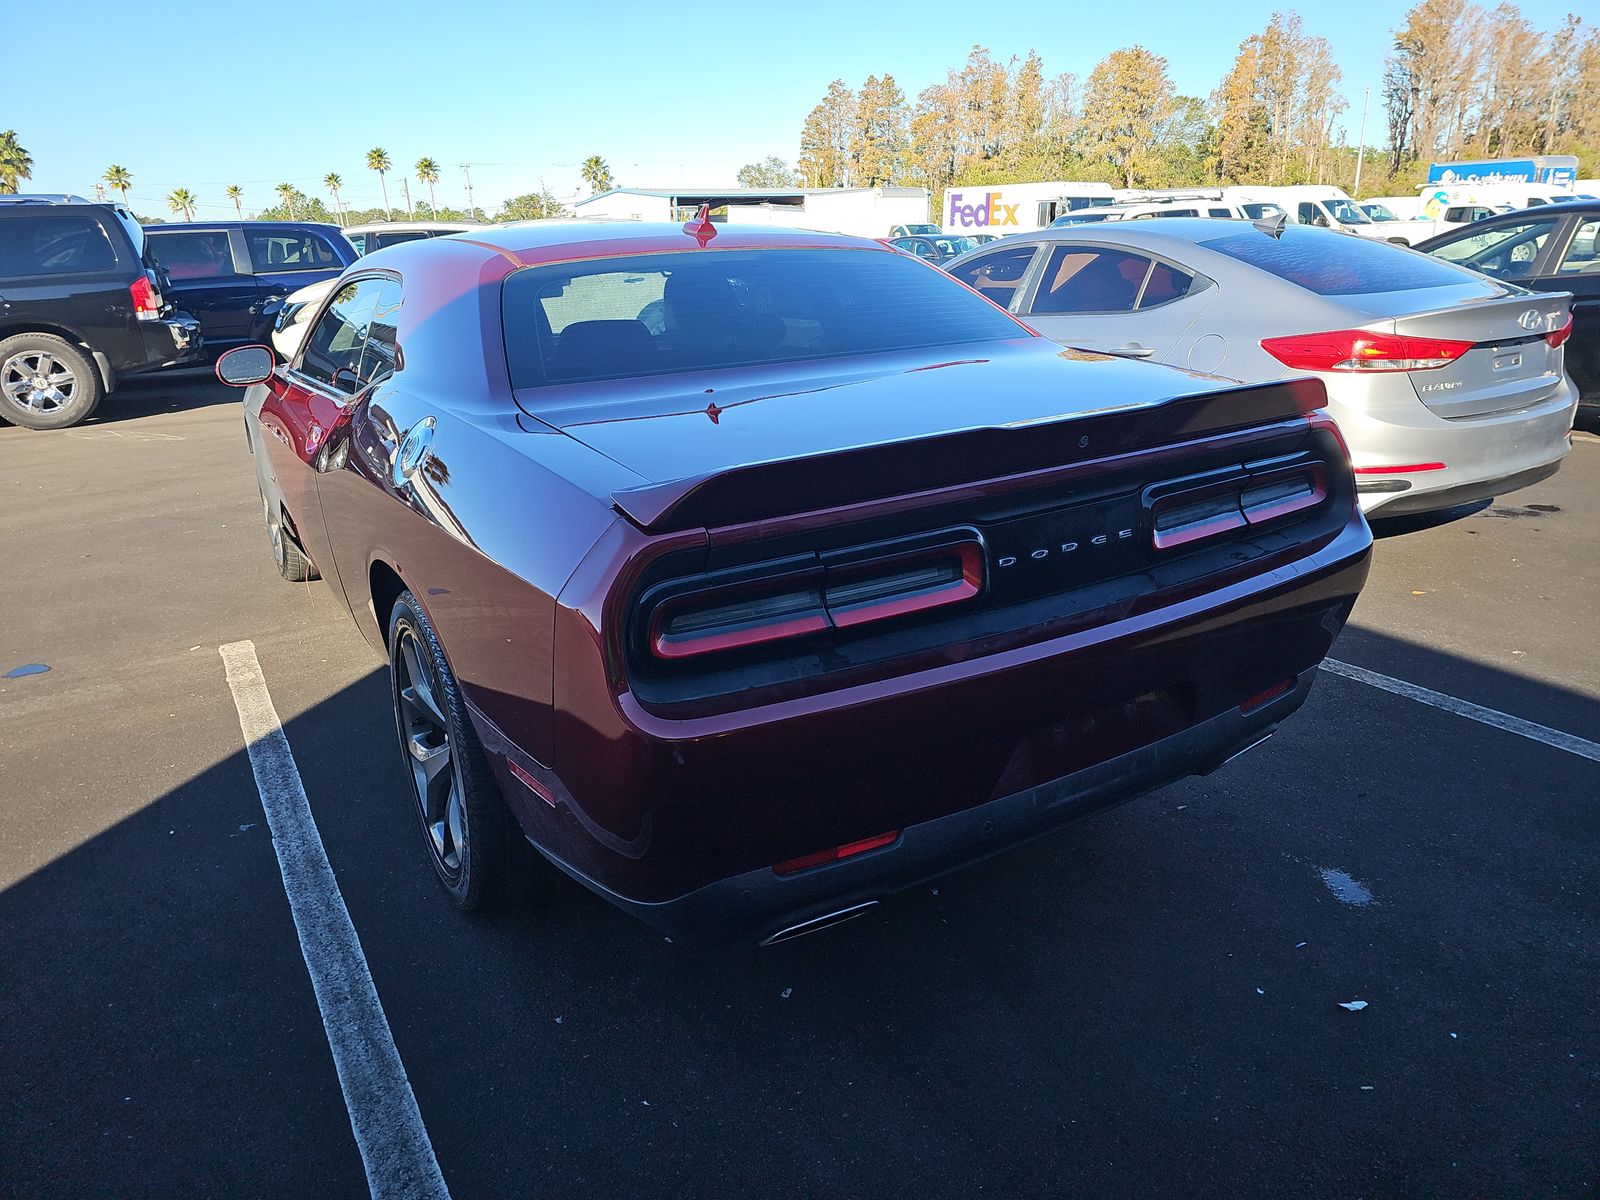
1569 742
394 1145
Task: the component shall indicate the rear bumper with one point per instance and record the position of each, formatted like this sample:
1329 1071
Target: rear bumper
170 342
1483 456
761 905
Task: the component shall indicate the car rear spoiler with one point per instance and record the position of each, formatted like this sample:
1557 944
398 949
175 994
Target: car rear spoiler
761 491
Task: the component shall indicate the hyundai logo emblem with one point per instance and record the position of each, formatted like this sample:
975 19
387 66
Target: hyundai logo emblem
1531 320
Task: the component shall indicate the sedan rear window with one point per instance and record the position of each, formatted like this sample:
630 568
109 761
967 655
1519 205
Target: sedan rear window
704 309
1336 264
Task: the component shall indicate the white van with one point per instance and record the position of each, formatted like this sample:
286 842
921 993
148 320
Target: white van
1017 207
1311 204
1163 204
1443 207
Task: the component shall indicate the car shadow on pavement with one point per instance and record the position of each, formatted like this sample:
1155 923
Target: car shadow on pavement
1385 527
184 389
1178 965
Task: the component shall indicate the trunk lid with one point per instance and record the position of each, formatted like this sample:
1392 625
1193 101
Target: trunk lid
1510 366
747 444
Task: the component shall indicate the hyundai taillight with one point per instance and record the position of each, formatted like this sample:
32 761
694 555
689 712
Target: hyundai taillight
844 591
147 301
1558 337
1363 350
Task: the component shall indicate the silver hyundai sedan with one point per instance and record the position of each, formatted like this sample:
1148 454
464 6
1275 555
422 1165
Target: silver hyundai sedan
1449 386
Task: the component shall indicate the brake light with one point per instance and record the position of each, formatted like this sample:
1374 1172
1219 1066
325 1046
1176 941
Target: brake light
147 301
1363 350
1213 509
1558 337
849 850
845 594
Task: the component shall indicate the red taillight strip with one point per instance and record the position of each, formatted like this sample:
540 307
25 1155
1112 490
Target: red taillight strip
1558 337
953 592
689 645
848 850
1400 469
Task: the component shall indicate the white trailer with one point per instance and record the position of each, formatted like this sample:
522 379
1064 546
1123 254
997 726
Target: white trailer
862 212
1001 208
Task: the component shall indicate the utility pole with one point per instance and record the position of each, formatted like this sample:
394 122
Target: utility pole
405 186
1361 147
472 211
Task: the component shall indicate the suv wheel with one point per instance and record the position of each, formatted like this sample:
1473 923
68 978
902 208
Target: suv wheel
46 382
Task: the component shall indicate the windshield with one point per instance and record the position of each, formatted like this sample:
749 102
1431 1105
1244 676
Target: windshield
1347 213
955 245
1378 212
701 310
1332 264
922 229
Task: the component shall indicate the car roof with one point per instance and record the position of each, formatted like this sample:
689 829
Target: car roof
535 242
412 226
1560 206
211 226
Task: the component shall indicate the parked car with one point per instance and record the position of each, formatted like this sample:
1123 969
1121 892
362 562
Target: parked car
1144 210
81 308
233 275
378 234
842 579
913 230
294 316
1551 248
936 250
1449 387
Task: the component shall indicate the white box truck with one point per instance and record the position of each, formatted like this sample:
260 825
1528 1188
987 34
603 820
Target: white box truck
1002 208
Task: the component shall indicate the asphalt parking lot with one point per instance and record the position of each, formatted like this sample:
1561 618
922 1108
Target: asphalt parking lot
1159 1000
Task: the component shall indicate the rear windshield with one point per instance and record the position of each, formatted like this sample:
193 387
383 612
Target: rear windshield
703 309
1336 264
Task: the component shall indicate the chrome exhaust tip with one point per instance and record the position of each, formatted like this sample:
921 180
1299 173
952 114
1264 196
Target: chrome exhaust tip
815 923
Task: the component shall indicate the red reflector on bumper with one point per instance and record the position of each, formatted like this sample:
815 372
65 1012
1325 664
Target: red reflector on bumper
534 786
1400 469
838 852
1266 697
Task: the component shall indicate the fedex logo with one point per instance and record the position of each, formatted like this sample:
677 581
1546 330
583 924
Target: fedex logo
989 213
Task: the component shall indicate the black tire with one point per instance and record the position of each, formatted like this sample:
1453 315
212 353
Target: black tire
469 855
73 389
292 562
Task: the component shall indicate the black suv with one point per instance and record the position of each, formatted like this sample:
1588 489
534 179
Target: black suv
80 306
233 275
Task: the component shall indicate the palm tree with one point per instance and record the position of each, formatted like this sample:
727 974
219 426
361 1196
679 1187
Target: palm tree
16 164
428 173
597 175
236 194
333 183
182 200
286 193
378 160
120 178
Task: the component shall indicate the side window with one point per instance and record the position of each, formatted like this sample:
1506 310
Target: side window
1583 255
1089 279
333 351
1455 214
1506 251
274 250
1306 213
194 254
1218 212
1166 283
997 274
378 359
54 246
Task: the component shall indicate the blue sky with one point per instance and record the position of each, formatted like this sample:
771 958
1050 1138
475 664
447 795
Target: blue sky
206 95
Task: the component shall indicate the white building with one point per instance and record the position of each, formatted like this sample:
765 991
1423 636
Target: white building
863 212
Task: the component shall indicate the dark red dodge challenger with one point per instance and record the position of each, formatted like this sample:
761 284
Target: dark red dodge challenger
753 576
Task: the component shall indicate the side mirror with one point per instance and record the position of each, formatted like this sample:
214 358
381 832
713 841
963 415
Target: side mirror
246 365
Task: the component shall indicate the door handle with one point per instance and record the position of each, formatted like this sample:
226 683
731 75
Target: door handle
411 452
1134 350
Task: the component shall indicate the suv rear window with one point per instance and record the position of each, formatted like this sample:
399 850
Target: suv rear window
705 309
54 245
291 250
1336 264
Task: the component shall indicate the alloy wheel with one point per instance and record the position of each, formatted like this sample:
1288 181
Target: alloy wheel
38 381
425 733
